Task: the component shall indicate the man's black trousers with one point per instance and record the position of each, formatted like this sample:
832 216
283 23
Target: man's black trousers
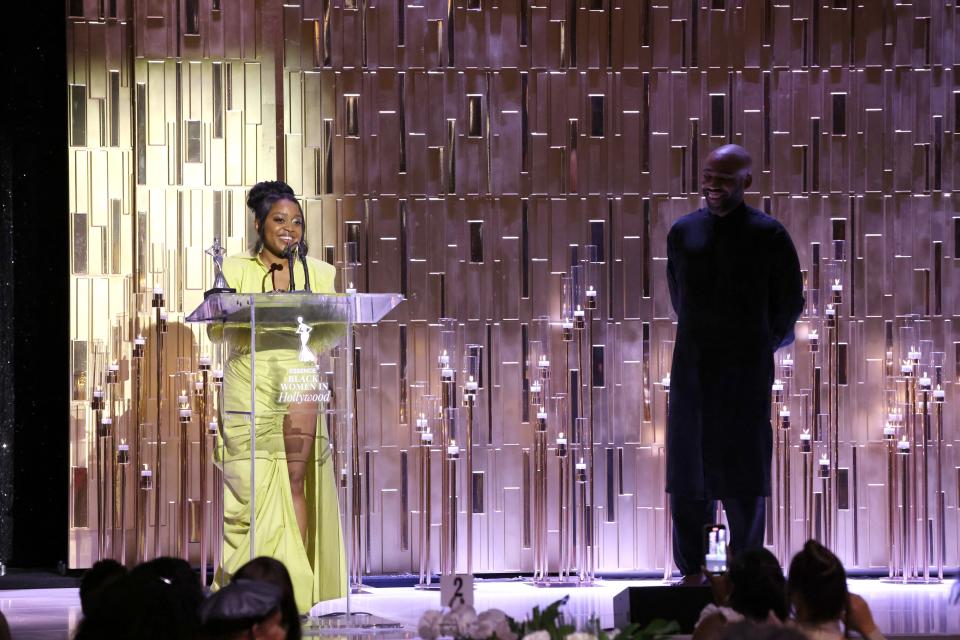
746 518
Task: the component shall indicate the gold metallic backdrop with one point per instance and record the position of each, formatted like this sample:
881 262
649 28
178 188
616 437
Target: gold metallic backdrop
465 146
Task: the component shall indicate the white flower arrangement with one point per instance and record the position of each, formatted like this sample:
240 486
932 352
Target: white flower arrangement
464 623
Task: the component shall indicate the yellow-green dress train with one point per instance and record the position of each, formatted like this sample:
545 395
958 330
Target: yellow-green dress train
317 569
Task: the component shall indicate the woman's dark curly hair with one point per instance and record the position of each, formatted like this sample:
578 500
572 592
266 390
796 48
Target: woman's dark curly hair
261 199
758 585
818 581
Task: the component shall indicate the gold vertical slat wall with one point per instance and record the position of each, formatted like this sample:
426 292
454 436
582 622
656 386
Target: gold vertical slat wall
466 145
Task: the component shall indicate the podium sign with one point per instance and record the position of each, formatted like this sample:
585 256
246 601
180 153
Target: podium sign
288 443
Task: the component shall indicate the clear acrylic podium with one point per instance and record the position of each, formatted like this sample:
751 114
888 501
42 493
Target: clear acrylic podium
288 420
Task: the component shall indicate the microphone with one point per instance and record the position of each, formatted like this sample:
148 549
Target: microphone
289 253
275 266
302 252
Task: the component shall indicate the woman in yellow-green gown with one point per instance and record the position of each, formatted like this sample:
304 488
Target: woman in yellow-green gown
297 515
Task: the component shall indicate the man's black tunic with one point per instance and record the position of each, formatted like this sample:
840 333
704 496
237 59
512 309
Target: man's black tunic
736 287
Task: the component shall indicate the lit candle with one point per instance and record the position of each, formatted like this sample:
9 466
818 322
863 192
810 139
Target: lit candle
913 354
837 287
543 363
924 381
213 427
591 292
785 413
904 445
805 441
889 431
567 324
447 373
581 471
123 452
204 361
906 367
422 423
453 450
198 387
164 316
824 466
182 398
471 385
351 290
578 312
542 419
113 366
157 290
665 381
938 394
534 387
444 360
217 374
830 311
561 445
787 361
426 437
98 393
777 385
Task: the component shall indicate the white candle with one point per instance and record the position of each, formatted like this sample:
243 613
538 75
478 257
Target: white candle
784 413
787 361
805 435
185 414
541 415
836 286
453 449
777 385
213 427
591 292
924 381
535 387
906 367
561 440
543 363
567 324
471 385
204 361
157 290
98 393
421 422
581 466
146 473
164 315
665 381
444 359
830 310
218 374
447 373
578 312
903 445
426 436
106 421
913 354
113 366
198 386
139 341
351 290
888 431
182 398
938 393
824 461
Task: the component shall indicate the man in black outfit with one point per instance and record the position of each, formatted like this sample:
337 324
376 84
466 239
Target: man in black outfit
736 287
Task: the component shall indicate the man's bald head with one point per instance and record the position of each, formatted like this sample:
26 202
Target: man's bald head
726 174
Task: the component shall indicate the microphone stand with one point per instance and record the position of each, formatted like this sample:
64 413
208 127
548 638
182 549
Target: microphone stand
306 272
290 258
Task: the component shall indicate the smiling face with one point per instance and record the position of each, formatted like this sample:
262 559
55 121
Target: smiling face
726 175
283 226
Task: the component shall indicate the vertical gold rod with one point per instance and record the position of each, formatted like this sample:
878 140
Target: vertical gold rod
137 361
891 509
914 444
203 464
183 539
925 485
98 418
939 530
157 461
562 516
471 399
452 514
591 471
905 520
667 516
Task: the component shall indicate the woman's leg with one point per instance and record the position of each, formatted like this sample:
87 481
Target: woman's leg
299 430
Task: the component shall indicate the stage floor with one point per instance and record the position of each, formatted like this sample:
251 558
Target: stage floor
901 610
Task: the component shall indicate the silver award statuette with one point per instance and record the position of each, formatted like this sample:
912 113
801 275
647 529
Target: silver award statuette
220 284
